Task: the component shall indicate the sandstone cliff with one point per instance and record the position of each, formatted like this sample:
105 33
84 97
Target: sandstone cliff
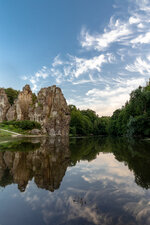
49 108
4 105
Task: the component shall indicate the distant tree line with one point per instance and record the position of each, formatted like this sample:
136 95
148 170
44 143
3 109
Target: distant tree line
133 119
86 122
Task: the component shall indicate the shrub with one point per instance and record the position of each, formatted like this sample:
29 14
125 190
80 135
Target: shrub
25 124
11 95
34 98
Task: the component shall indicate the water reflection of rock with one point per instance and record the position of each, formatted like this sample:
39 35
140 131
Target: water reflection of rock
47 165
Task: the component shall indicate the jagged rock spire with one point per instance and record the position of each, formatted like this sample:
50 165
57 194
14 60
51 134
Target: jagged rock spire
49 108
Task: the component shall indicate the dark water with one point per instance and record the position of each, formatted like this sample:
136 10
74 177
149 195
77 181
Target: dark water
82 181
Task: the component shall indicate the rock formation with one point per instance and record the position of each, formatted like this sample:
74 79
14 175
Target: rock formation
47 165
49 108
4 104
20 109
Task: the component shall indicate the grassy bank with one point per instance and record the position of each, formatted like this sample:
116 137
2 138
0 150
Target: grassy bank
5 134
20 127
13 129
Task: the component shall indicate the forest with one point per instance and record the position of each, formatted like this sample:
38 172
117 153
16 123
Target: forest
133 119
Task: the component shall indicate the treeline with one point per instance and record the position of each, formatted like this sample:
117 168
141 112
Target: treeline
86 122
133 119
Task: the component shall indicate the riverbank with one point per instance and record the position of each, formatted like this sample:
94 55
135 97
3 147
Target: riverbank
4 133
8 133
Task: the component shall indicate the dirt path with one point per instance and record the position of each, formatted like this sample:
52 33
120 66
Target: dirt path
14 133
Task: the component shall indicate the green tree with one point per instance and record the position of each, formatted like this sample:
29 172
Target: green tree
133 119
11 95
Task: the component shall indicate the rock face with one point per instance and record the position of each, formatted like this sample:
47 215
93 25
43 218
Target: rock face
4 104
49 108
51 111
20 109
35 132
23 103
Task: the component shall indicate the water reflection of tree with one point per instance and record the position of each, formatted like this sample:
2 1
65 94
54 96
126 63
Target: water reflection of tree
86 148
136 155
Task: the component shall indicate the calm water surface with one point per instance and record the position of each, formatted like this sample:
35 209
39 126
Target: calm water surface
81 181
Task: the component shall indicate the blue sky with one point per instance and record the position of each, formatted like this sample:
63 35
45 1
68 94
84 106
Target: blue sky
97 51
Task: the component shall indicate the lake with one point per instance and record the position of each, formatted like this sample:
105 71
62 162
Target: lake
79 181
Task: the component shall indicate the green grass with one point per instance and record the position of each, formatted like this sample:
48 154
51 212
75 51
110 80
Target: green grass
21 127
5 134
12 128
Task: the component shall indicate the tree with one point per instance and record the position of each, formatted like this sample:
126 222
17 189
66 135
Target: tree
134 118
11 95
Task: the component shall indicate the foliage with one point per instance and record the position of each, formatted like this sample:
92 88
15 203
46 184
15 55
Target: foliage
86 122
34 98
4 134
134 118
24 125
11 95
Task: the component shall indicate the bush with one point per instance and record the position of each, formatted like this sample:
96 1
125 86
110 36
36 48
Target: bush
25 124
139 126
11 95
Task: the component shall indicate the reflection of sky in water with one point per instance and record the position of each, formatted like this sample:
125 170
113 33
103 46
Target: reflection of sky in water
102 191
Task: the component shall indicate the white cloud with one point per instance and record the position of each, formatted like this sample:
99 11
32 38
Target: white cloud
57 61
123 32
142 39
104 93
81 82
105 101
122 86
148 57
140 25
34 83
144 5
111 58
84 65
74 67
140 66
116 32
35 79
42 73
133 20
71 70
